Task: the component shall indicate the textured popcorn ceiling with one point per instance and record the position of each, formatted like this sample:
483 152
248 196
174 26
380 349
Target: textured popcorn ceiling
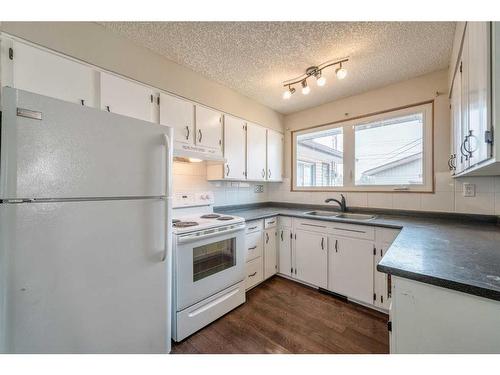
254 58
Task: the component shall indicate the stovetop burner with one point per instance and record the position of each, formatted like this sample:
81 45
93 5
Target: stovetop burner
224 218
210 216
185 224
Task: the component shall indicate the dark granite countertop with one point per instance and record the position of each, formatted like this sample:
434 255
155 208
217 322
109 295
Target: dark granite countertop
454 252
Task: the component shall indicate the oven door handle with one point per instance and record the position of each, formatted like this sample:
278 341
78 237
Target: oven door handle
191 238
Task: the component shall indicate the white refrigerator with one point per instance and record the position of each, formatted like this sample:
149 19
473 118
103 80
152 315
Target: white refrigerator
85 229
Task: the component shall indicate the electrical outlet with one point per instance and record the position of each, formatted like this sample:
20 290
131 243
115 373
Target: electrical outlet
469 190
258 189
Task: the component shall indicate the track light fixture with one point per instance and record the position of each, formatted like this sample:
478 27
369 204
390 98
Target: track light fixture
287 94
315 71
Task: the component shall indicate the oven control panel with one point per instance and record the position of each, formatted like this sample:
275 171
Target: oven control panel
193 199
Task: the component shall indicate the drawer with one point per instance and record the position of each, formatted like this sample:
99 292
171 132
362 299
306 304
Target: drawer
355 231
253 244
285 221
193 318
270 222
254 226
312 225
254 270
386 235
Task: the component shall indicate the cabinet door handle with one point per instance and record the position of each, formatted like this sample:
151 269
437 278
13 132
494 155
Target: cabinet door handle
336 246
450 167
253 274
263 173
227 169
107 108
252 248
462 149
467 142
322 243
82 101
269 174
281 235
187 132
252 228
267 237
200 135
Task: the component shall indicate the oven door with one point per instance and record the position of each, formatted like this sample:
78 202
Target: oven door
207 263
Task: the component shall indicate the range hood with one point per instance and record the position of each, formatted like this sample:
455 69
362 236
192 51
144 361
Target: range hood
197 152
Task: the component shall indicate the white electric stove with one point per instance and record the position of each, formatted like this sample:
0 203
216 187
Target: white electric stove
209 263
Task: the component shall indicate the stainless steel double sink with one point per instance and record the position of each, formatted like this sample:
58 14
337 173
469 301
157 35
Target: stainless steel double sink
341 215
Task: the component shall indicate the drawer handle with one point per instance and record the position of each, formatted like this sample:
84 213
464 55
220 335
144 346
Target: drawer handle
253 274
336 246
252 228
313 225
267 237
213 303
270 222
252 248
351 230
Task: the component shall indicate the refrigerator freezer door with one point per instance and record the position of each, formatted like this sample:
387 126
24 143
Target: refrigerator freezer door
84 277
75 151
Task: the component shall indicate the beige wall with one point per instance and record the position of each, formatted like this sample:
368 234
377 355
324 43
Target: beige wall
96 45
448 195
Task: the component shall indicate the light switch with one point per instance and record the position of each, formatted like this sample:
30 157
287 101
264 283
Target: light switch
469 190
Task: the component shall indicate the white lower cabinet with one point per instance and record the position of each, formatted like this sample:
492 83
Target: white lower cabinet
310 257
350 268
254 254
254 275
285 251
270 252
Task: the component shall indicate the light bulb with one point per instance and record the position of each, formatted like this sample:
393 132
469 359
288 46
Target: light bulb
321 81
341 72
305 89
288 93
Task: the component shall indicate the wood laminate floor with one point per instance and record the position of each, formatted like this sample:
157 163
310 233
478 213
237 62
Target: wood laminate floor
281 316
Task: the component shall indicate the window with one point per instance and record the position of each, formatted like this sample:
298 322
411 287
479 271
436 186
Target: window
320 158
383 152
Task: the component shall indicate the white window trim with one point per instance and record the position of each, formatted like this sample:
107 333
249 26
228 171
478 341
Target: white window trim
427 109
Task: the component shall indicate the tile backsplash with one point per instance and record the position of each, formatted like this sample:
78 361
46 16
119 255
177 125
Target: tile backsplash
192 177
448 196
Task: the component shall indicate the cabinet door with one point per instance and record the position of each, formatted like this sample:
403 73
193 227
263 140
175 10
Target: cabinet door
234 147
127 98
464 101
208 128
179 114
284 252
274 155
311 258
51 75
351 268
256 152
381 287
479 91
456 161
270 252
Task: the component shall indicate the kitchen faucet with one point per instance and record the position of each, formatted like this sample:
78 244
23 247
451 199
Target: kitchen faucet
342 203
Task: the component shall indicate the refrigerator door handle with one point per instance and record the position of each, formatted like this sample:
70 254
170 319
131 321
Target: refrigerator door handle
168 185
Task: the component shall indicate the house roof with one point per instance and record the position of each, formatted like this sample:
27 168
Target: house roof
392 164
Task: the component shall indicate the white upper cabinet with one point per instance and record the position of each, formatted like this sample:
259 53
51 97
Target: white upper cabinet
479 57
456 158
234 148
350 270
311 258
45 73
274 155
179 114
256 152
124 97
208 128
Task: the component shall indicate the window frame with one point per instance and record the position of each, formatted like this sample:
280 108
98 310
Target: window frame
348 125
